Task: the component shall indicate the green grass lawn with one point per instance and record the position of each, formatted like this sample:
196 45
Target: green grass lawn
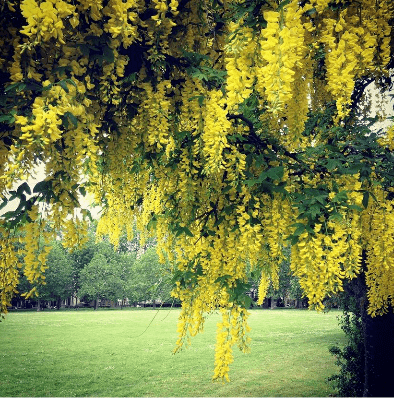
107 353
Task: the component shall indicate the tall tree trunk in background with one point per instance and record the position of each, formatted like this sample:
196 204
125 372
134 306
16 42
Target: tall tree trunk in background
379 355
59 303
378 335
96 303
38 304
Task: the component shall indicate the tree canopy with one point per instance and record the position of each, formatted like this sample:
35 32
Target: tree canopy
228 129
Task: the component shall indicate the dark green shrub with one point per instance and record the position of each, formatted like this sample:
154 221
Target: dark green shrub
349 382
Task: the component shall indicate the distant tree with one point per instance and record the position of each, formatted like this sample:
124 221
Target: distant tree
283 287
96 279
59 276
123 269
149 280
83 255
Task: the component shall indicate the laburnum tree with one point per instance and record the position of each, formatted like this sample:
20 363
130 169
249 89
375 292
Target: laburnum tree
229 129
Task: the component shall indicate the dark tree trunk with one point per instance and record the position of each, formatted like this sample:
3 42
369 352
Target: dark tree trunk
273 303
38 304
96 303
378 335
59 303
379 355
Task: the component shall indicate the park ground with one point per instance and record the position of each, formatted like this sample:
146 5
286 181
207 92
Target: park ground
128 352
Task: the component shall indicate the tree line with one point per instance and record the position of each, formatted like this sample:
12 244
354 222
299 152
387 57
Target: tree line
98 271
129 274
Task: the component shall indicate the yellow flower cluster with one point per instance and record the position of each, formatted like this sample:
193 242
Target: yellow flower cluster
282 49
240 54
9 268
323 260
378 223
45 128
275 225
216 128
45 19
354 39
121 22
74 235
319 262
35 252
155 114
388 138
15 69
264 284
230 331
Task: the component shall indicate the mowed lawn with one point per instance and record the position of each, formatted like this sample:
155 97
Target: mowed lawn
110 353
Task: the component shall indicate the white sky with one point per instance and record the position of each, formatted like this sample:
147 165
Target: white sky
39 175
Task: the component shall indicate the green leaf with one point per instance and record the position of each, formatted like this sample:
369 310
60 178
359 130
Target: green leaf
82 191
223 280
18 87
68 115
7 119
314 210
108 54
218 221
311 11
152 223
247 301
275 173
335 216
340 197
23 188
85 49
61 70
299 230
42 186
200 99
333 164
365 199
71 81
355 207
130 78
227 188
250 183
63 85
178 231
8 215
187 231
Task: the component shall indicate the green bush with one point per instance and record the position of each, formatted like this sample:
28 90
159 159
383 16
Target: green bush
349 382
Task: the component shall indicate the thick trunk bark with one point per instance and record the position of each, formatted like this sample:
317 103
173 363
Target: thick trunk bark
378 334
96 303
273 303
38 305
379 355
